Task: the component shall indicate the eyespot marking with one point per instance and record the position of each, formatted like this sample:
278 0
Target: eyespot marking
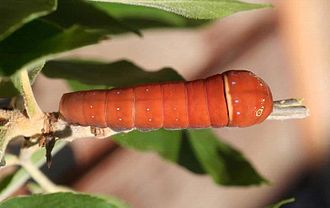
259 112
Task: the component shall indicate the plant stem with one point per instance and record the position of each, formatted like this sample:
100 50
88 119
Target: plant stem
31 105
34 171
40 178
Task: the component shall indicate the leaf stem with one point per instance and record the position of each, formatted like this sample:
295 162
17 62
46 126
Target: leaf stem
31 105
40 178
47 185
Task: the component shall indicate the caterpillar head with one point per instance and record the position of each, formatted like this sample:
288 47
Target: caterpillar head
249 99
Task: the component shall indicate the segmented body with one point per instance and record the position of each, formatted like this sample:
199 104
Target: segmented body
233 98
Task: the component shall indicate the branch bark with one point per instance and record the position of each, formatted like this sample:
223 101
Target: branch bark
282 110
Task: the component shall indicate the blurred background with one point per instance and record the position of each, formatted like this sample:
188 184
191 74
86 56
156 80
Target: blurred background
287 46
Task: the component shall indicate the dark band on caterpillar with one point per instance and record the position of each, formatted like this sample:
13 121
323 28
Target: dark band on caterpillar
233 98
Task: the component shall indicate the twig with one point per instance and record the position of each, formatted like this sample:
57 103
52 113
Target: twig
41 179
36 174
21 175
69 132
5 114
288 109
18 125
282 110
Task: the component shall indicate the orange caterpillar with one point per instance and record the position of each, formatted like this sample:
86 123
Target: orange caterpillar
233 98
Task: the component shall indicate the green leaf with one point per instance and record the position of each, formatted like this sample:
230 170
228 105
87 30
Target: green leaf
15 13
197 150
146 17
35 70
171 145
78 86
281 203
165 143
115 201
58 200
78 12
226 165
7 87
39 40
196 9
117 74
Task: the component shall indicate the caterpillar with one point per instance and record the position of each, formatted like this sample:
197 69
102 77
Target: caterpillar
233 98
